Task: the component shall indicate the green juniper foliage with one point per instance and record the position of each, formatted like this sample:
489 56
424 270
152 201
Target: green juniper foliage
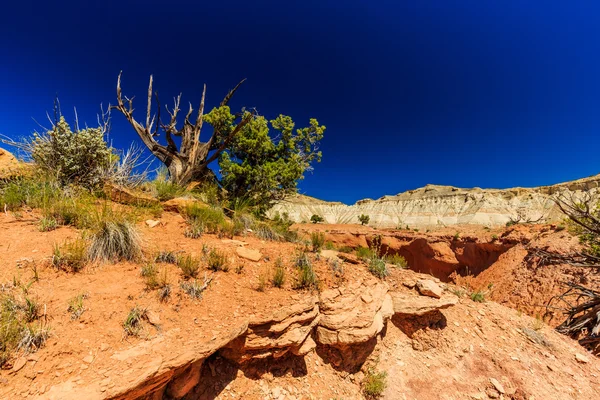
257 166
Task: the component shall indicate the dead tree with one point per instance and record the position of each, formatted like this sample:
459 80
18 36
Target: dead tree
190 161
583 315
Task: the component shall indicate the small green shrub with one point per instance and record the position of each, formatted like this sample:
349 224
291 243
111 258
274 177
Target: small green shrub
76 307
71 256
494 238
315 219
478 296
211 218
79 157
48 224
217 261
397 260
378 267
317 239
194 230
190 266
346 249
365 253
456 236
329 245
307 278
133 324
279 274
364 219
374 384
165 189
150 274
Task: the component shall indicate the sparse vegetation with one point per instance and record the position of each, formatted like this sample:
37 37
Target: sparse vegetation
114 237
315 219
329 245
307 278
133 324
478 296
20 328
48 224
397 260
378 267
208 219
194 230
364 219
364 253
189 265
149 272
194 289
217 261
374 384
317 239
165 256
71 256
346 249
279 274
76 307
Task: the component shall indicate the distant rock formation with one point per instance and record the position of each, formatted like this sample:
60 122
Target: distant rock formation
435 205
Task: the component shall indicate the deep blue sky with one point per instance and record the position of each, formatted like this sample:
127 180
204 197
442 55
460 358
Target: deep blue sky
465 93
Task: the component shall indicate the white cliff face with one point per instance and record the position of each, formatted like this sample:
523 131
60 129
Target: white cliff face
435 205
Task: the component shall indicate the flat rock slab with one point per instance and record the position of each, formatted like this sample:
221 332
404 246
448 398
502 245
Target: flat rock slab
429 288
152 223
419 305
249 254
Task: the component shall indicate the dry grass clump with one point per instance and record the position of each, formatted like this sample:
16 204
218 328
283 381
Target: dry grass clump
212 219
318 240
189 265
279 274
20 327
217 261
166 256
194 289
115 241
76 307
133 324
71 256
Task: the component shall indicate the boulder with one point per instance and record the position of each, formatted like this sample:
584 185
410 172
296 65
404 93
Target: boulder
429 288
10 167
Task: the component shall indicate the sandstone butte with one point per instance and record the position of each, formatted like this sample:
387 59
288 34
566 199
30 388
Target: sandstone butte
241 340
438 206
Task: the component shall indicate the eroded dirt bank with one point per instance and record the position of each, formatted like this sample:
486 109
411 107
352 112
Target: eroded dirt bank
280 343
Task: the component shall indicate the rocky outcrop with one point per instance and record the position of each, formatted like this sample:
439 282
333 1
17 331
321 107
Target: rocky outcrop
10 167
435 205
123 195
343 323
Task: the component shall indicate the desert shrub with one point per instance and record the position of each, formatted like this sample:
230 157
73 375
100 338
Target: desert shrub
194 230
337 267
378 267
19 328
374 384
79 157
163 188
73 208
76 307
166 256
71 256
365 253
345 249
189 265
315 219
114 240
307 278
478 296
456 236
278 231
329 245
397 260
211 218
48 224
133 324
217 261
193 288
317 239
149 272
279 274
364 219
164 293
494 238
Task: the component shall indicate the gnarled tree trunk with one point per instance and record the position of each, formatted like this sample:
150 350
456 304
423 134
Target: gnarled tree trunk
190 161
